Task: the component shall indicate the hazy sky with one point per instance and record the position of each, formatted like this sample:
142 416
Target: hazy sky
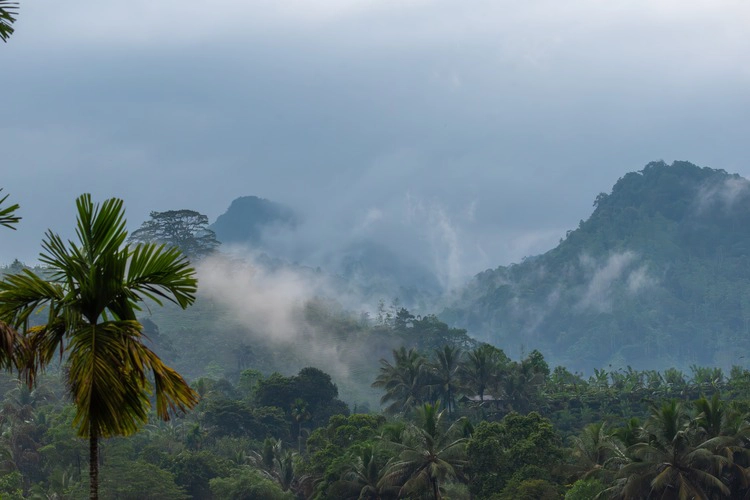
466 133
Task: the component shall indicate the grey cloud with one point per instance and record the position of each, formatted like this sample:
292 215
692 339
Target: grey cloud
525 110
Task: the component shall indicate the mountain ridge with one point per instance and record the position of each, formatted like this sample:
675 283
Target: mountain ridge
658 275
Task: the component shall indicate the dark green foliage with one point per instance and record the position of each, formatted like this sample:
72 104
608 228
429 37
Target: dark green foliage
245 483
520 447
529 489
429 453
193 471
138 480
231 417
584 489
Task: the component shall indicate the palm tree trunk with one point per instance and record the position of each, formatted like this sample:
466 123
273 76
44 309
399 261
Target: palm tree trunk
93 465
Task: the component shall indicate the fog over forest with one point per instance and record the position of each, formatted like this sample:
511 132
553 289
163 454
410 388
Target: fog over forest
375 249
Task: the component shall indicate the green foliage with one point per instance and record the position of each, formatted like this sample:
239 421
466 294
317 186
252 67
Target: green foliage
529 489
429 454
247 484
498 450
138 480
11 486
193 471
584 489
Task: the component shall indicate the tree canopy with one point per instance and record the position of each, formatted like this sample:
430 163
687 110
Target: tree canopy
184 229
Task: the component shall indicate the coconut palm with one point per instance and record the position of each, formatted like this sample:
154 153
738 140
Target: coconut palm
404 381
428 456
446 370
482 368
669 463
91 292
361 478
597 453
7 18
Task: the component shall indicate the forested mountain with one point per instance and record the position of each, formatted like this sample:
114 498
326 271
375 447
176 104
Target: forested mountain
248 216
658 276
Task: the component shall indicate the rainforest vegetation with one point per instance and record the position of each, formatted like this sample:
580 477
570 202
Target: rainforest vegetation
123 380
456 424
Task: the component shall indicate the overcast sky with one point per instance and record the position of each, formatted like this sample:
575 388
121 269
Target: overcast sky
481 130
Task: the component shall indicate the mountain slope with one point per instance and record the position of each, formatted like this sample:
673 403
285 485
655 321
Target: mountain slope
658 276
247 217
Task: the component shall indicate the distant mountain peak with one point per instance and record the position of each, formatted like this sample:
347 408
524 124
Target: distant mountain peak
658 275
248 216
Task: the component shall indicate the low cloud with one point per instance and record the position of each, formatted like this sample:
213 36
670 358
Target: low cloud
726 194
618 269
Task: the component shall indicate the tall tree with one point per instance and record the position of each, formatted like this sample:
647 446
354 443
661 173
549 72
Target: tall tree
672 461
185 229
9 219
429 455
482 368
446 371
91 291
404 381
7 18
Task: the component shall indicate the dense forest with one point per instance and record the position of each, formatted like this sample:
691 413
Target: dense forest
456 424
125 379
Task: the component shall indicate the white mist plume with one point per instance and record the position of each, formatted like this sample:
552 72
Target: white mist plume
444 238
726 193
618 267
270 304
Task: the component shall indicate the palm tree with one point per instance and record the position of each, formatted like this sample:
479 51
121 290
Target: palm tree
597 453
669 464
300 414
482 368
361 478
7 11
8 218
446 370
404 381
91 292
429 455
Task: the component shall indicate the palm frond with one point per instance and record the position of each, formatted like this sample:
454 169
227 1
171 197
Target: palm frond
158 272
8 217
110 392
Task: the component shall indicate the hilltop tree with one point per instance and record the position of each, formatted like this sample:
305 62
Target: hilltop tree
91 292
184 229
